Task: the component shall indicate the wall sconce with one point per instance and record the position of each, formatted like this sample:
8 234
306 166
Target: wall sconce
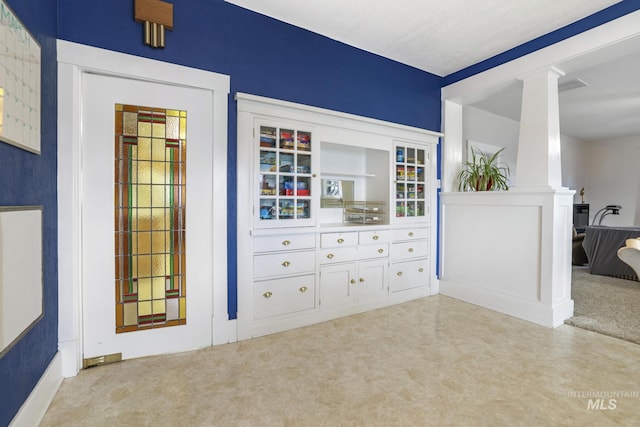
156 16
607 210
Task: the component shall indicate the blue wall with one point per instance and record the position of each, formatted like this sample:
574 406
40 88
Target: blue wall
29 179
263 57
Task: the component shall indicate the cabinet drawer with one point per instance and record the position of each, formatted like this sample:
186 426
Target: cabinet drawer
369 237
284 242
373 251
283 296
282 263
408 250
410 233
336 240
333 255
408 275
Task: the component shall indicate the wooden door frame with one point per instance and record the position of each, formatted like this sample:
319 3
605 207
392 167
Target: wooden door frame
74 60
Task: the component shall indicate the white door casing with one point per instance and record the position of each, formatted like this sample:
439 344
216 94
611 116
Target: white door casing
74 63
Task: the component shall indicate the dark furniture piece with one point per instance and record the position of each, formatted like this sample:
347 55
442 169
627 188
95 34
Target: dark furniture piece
601 245
580 216
578 255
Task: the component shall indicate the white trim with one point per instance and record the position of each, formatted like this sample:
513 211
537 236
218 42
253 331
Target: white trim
73 61
33 409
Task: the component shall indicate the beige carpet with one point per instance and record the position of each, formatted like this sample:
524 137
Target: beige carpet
431 362
606 305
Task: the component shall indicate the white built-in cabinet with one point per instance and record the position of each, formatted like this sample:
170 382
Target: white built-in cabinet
336 214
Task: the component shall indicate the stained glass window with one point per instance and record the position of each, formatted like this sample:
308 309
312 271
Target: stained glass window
150 173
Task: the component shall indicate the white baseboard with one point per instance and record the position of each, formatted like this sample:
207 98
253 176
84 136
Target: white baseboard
535 312
225 332
36 405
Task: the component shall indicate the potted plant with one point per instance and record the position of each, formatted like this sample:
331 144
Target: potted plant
483 172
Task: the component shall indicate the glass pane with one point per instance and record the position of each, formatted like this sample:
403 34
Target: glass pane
411 209
304 164
420 173
267 185
420 209
267 161
268 209
411 155
411 173
286 162
267 137
286 139
149 216
286 209
400 154
400 209
304 141
400 190
400 173
421 155
303 209
286 186
411 191
303 186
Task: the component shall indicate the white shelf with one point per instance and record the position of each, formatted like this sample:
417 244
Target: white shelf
353 175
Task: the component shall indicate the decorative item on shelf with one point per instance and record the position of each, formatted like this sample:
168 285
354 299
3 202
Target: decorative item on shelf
582 195
484 172
607 210
365 212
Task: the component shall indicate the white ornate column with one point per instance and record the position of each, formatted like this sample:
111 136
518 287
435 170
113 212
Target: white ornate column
539 163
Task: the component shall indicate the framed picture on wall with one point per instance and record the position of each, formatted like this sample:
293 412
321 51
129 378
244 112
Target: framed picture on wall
20 70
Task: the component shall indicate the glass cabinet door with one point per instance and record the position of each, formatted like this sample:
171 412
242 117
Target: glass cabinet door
284 177
411 198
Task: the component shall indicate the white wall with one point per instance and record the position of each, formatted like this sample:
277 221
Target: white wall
613 177
488 128
574 171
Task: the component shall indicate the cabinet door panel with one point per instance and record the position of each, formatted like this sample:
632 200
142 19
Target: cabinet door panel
338 285
283 296
372 280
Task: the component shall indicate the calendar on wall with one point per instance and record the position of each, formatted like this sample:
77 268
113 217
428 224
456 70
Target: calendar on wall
19 83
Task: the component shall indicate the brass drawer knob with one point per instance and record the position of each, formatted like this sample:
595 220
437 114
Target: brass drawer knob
286 243
267 294
410 250
353 281
375 237
399 273
362 280
303 289
380 250
286 264
411 234
330 256
420 269
340 241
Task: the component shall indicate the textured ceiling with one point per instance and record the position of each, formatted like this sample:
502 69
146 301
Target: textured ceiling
438 36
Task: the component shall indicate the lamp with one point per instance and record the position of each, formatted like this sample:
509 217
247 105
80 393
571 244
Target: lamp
607 210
